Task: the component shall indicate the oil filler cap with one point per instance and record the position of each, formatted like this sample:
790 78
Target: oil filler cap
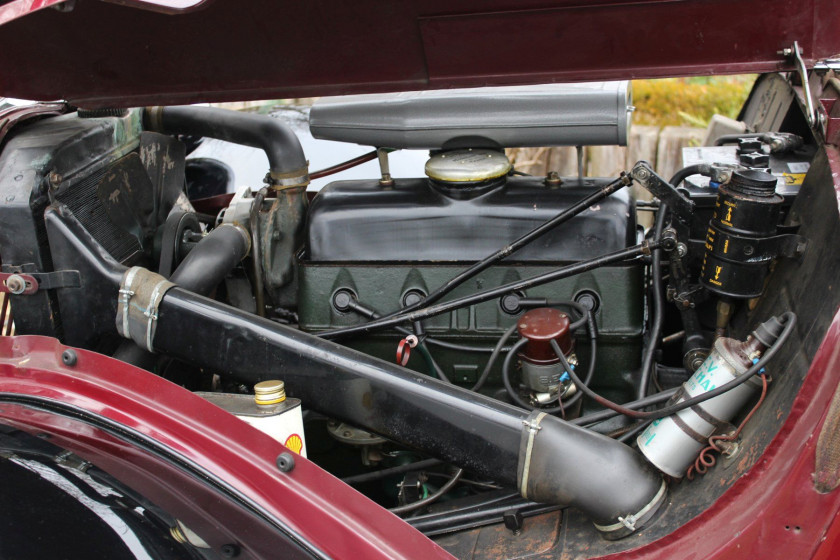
270 392
468 166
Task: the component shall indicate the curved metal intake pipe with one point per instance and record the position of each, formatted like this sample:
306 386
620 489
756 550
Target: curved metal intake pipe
287 164
547 459
288 174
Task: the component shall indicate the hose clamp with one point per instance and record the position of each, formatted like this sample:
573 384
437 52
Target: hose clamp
532 424
140 294
631 522
298 178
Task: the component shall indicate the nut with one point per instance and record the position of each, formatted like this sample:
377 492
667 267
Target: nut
15 284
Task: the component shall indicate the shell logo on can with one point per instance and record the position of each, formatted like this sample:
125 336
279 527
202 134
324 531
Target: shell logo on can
294 442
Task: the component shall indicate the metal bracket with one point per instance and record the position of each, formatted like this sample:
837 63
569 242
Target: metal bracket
690 296
794 54
25 284
680 205
629 522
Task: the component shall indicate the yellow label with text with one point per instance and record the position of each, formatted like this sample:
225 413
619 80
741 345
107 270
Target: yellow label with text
793 178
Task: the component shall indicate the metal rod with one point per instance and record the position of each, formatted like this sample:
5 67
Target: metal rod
445 307
343 166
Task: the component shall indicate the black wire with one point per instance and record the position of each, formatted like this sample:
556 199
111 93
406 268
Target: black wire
370 313
628 435
433 365
383 473
496 351
499 348
658 302
602 415
513 393
448 485
455 346
788 319
593 352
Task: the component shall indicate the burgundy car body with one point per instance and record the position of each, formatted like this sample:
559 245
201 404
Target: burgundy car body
326 48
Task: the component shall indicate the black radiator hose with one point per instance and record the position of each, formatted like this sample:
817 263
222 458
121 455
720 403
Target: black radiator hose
201 271
212 259
287 164
547 459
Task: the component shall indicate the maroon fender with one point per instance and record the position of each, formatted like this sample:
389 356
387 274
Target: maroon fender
322 513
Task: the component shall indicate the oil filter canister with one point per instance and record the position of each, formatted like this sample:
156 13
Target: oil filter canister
740 239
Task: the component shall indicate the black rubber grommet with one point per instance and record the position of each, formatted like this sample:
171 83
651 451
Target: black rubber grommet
285 462
69 357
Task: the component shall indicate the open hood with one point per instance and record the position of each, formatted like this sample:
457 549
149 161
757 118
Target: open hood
100 54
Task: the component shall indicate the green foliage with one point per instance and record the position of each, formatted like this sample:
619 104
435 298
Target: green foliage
689 101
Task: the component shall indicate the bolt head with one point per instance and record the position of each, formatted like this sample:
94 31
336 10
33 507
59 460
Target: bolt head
229 550
15 284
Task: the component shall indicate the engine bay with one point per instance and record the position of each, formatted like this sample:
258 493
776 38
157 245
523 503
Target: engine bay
498 358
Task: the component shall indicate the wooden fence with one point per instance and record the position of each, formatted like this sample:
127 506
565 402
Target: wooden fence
661 147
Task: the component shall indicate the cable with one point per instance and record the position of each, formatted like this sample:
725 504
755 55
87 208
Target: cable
628 435
433 365
431 498
705 460
658 299
514 395
383 473
658 302
584 266
488 485
482 379
502 253
603 415
454 346
593 353
788 319
686 172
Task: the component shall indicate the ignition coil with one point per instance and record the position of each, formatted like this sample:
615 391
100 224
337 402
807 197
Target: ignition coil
673 442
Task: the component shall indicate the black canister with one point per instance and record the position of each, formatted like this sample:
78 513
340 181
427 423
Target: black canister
738 256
